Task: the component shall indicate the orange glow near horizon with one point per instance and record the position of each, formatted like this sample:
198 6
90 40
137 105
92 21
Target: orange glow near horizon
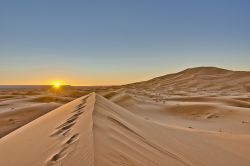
77 79
88 80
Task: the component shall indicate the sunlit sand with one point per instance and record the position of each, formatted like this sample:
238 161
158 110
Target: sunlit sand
195 117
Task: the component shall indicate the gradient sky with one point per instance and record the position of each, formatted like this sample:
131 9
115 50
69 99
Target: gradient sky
119 41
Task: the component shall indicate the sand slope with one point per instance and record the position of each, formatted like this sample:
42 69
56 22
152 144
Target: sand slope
199 80
217 114
18 110
63 136
92 130
124 138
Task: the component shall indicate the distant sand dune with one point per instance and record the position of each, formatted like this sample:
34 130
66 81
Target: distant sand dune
207 79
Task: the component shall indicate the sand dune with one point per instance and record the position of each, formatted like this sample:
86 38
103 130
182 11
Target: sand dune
18 110
11 120
63 136
92 130
203 80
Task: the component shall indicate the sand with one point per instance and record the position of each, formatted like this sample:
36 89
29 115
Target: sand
61 136
92 130
16 111
180 119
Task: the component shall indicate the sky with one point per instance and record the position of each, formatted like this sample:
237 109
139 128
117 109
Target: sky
110 42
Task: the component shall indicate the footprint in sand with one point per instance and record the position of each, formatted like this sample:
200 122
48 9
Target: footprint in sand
78 111
64 151
63 129
80 106
58 156
72 139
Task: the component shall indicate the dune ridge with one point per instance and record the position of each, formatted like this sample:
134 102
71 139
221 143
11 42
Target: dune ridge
94 131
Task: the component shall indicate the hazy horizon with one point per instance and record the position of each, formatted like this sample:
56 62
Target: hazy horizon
118 42
65 84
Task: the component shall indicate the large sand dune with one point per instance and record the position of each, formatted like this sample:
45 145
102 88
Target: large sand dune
199 80
92 130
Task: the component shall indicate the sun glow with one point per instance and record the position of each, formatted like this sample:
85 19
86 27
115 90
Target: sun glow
57 84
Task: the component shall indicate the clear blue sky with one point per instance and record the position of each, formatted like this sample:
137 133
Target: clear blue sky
119 41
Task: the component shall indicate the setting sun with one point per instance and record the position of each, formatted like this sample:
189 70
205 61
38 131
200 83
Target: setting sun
57 84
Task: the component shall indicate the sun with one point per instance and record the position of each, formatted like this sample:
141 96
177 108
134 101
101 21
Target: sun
56 84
